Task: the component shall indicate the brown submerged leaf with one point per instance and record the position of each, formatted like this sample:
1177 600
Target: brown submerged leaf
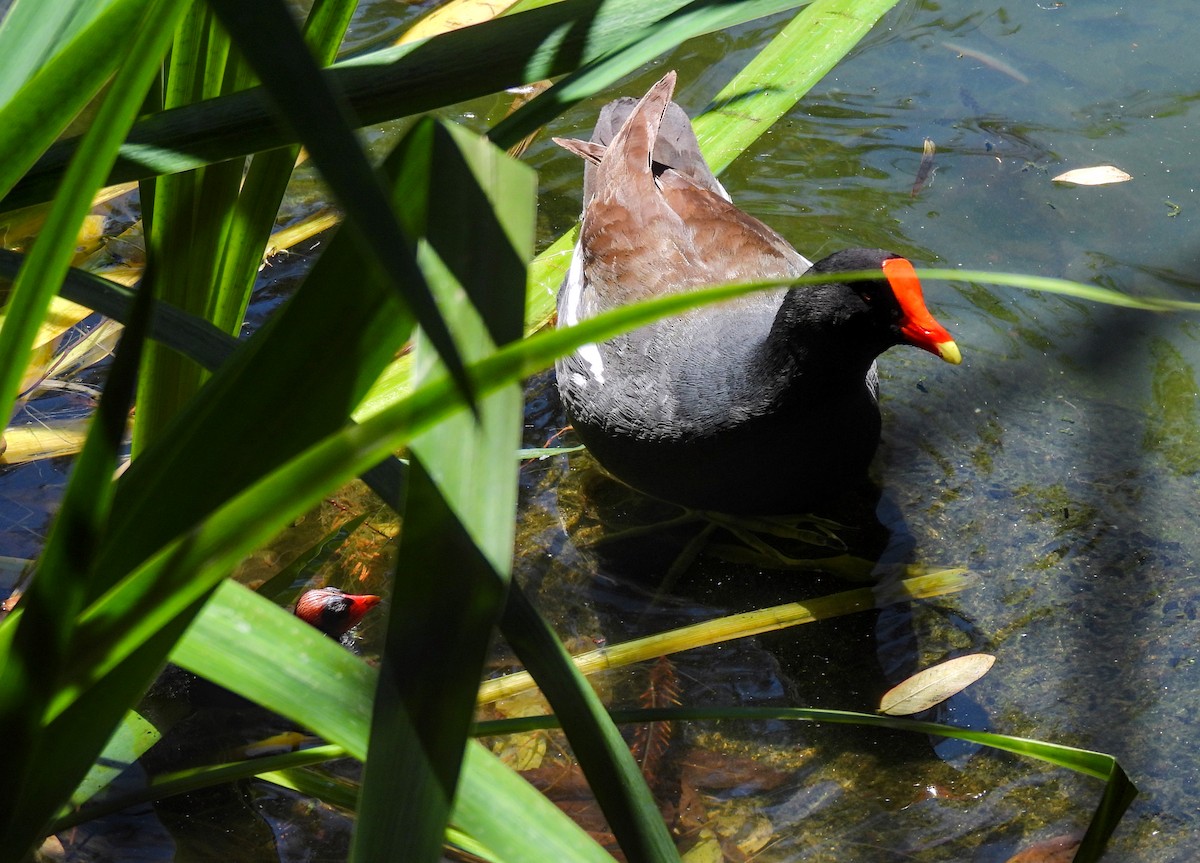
934 685
1060 849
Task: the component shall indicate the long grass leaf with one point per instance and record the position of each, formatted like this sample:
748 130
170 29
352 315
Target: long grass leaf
322 121
779 75
473 207
40 647
250 225
742 625
185 216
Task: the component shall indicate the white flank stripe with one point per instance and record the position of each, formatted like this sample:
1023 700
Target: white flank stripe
572 297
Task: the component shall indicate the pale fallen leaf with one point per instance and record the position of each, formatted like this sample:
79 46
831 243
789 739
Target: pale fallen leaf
50 439
455 15
1100 175
934 685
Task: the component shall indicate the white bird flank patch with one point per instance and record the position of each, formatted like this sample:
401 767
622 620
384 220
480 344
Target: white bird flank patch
572 298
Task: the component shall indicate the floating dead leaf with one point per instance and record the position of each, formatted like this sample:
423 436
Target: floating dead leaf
925 169
934 685
1100 175
454 15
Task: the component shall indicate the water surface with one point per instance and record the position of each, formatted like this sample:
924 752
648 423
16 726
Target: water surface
1058 461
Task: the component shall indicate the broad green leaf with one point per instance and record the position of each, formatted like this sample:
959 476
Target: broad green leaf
935 684
317 682
133 737
473 208
54 58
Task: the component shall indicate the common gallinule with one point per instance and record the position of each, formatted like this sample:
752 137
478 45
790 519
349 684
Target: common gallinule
333 611
765 404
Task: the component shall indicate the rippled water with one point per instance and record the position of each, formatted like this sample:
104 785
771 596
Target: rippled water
1058 462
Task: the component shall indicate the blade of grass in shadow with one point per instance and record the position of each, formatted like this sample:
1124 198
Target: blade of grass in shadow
611 770
311 107
197 778
188 334
41 636
184 217
473 208
249 231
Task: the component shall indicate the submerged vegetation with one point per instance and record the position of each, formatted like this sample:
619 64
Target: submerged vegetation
413 331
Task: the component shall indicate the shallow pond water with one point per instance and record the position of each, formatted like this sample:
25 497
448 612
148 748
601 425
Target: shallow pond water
1058 462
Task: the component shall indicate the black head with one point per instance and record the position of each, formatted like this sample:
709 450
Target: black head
864 317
